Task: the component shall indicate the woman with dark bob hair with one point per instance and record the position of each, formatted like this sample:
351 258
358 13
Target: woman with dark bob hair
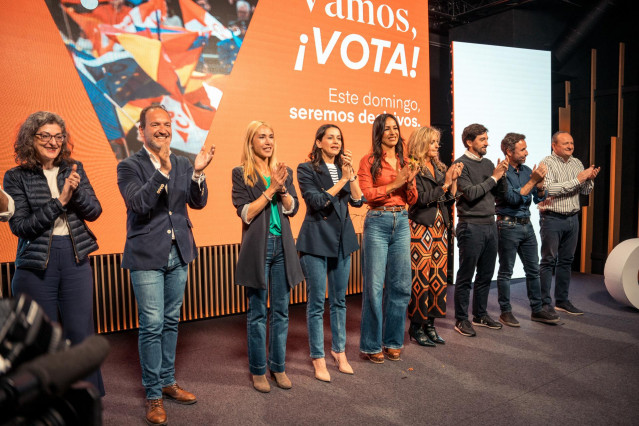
387 180
53 200
326 240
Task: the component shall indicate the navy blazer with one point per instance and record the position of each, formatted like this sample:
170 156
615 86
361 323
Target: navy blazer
151 213
327 224
251 262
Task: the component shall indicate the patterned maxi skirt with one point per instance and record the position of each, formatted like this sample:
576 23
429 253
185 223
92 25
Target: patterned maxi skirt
429 262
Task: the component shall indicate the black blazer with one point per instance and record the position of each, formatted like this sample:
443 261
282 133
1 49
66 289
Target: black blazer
327 223
151 213
252 258
430 194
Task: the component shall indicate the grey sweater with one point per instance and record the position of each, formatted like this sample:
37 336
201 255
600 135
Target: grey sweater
477 205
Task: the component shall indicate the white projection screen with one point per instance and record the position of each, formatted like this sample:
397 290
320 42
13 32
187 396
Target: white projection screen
507 90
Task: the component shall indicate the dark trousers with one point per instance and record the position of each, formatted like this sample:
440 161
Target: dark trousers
477 244
518 239
558 243
65 292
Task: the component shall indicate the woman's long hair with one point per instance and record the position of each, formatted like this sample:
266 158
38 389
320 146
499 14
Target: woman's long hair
316 153
251 174
378 132
419 146
24 148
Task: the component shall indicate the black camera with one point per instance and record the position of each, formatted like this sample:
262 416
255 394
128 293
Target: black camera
40 373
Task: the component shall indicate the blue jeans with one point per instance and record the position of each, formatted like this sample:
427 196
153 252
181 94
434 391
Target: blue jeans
477 244
316 270
514 239
65 287
279 294
159 293
558 244
387 280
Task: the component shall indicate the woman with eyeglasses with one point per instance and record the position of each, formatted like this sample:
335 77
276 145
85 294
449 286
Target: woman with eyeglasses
53 201
387 180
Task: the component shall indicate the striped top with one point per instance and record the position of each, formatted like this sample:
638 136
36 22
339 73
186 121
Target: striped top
332 169
563 186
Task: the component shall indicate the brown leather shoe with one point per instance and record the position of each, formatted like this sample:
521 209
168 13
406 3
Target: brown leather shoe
377 358
179 395
155 414
392 354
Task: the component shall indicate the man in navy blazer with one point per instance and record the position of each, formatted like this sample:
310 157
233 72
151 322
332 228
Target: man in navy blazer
156 186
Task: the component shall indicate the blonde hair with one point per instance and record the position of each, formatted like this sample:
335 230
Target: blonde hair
251 174
419 146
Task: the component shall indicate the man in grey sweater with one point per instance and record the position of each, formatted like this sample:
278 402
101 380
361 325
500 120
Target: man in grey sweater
476 231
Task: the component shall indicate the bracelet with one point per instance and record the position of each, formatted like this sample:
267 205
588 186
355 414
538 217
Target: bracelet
267 197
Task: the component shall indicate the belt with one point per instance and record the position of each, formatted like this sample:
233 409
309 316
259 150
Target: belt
389 208
558 215
520 220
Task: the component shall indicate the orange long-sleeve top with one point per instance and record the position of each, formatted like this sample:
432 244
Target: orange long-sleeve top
375 192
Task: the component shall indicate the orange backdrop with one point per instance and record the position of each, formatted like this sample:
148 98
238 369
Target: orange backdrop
346 65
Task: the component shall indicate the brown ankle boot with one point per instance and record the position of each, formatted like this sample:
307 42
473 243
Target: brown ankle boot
281 380
261 384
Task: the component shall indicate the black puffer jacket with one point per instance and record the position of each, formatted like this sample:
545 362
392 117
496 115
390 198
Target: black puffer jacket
36 212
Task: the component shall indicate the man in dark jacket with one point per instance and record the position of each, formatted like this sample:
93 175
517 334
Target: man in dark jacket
476 232
516 233
157 186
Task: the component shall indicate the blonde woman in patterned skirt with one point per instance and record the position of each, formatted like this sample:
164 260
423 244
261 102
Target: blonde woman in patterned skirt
429 225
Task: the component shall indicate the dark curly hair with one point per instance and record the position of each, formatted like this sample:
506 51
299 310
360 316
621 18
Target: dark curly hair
316 153
378 132
24 149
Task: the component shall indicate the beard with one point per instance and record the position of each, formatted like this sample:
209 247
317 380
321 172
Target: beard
157 146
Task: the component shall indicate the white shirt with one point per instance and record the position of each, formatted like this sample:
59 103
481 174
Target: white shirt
563 186
60 225
11 208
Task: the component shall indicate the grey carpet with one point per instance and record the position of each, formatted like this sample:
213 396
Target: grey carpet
584 371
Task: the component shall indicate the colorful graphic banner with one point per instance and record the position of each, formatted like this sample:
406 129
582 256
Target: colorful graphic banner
216 65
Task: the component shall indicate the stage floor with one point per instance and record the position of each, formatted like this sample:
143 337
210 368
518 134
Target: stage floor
583 371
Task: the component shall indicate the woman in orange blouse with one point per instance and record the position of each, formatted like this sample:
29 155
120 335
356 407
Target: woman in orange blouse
388 184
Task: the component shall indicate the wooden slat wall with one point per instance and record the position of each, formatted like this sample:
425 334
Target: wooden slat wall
210 291
587 212
616 152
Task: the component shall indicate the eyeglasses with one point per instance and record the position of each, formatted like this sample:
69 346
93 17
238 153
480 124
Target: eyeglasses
45 137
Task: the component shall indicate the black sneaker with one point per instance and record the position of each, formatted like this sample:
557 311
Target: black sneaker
465 328
545 317
549 309
568 308
486 321
508 319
